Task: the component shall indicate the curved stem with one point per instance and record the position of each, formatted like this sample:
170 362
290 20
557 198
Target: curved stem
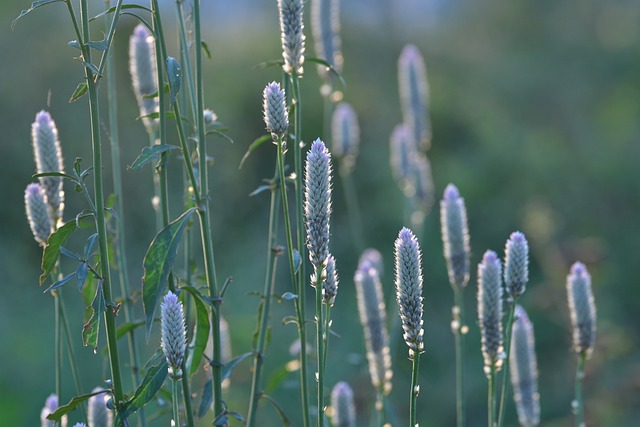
579 403
505 365
459 336
415 389
319 343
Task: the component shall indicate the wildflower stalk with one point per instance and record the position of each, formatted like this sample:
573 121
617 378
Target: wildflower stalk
57 345
186 60
112 343
491 396
579 404
174 397
318 272
415 389
269 281
503 393
459 333
120 247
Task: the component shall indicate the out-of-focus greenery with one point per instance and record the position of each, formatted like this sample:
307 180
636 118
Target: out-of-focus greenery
536 119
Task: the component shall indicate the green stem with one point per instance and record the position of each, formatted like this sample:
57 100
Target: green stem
505 365
459 333
112 341
269 282
491 395
353 208
174 397
319 344
186 394
579 403
380 405
71 353
186 62
297 150
58 347
415 389
327 328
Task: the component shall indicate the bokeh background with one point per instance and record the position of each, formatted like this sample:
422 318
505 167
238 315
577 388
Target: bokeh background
535 109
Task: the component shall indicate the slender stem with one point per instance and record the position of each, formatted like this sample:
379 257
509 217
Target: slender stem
353 208
327 328
459 333
58 346
297 150
491 395
112 341
186 62
71 352
269 281
578 405
319 343
74 20
380 405
120 247
186 395
415 390
505 365
174 397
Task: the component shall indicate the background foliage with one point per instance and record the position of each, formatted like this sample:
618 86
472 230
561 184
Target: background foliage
535 111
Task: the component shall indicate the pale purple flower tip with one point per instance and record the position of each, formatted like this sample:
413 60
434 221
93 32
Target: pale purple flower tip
99 415
318 202
373 257
524 370
402 151
174 333
80 425
490 309
344 411
414 95
291 35
455 236
37 213
582 309
516 264
275 110
325 25
451 193
345 134
330 285
144 77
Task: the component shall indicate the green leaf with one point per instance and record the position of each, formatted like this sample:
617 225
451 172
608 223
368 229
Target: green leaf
72 405
124 7
156 115
202 330
278 408
128 327
150 153
174 72
91 329
220 133
92 67
81 274
151 384
66 252
57 174
297 260
288 296
205 49
207 399
254 145
52 250
158 263
81 89
74 44
60 282
228 368
99 45
329 67
34 5
259 190
88 247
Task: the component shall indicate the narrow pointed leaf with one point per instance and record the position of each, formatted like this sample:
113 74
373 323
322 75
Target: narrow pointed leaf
128 327
81 89
228 368
81 274
158 263
206 399
124 7
278 408
205 49
66 252
174 72
254 145
99 45
60 282
88 247
201 335
34 5
151 384
72 405
52 250
91 329
151 153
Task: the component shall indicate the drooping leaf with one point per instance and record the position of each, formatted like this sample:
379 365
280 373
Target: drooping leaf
259 190
72 405
151 153
61 282
254 145
52 250
128 327
97 45
329 68
156 115
206 399
174 73
158 263
124 7
34 6
89 245
92 68
278 408
56 174
151 384
228 368
201 335
91 329
74 44
81 89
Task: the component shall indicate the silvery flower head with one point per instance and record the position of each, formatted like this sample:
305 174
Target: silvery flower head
37 213
317 207
344 410
402 152
414 95
409 289
424 195
99 415
516 264
79 425
50 406
291 35
455 236
48 157
490 309
325 25
372 311
374 258
524 370
275 110
345 133
144 75
582 309
330 284
174 333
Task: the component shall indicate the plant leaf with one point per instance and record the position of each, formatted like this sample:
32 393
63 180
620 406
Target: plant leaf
201 335
52 250
81 89
150 153
60 282
278 408
205 49
151 384
98 45
228 368
288 296
254 145
207 399
81 274
124 7
259 190
174 72
128 327
91 329
66 252
89 245
72 405
34 5
329 67
158 263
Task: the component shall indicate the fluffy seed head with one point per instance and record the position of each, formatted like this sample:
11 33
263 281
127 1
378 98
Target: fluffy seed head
455 236
37 213
291 35
325 26
490 309
374 258
414 95
48 157
50 406
516 264
409 289
345 133
318 202
275 110
402 152
144 75
344 410
372 311
524 370
330 284
582 309
174 333
98 414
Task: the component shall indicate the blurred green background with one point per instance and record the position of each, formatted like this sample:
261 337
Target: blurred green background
535 109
